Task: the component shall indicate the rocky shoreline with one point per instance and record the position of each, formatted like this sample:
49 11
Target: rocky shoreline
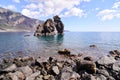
64 66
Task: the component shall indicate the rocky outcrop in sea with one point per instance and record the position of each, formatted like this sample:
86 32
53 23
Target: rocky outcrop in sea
62 67
50 27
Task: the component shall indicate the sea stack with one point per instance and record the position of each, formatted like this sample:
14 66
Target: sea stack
50 27
58 24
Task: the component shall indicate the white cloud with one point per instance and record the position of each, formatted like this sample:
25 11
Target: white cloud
53 7
74 12
108 14
32 6
86 0
30 14
17 1
116 5
97 9
11 7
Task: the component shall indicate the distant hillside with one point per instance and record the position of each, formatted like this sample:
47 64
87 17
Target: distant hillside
13 21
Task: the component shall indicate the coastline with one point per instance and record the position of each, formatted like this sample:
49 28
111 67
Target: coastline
14 30
63 66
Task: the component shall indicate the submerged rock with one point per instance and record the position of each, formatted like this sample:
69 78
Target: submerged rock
64 52
93 46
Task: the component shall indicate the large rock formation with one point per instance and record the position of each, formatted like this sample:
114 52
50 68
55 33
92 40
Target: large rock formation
50 27
47 28
58 24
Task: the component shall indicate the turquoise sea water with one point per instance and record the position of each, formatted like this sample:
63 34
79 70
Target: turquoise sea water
20 43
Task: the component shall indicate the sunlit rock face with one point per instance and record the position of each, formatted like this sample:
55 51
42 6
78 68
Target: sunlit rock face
47 28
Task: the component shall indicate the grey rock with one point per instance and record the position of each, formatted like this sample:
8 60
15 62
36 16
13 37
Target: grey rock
55 70
105 60
40 77
60 65
103 72
20 75
68 74
110 78
13 76
51 77
2 77
40 62
101 77
116 66
88 77
43 72
32 76
11 68
26 70
46 77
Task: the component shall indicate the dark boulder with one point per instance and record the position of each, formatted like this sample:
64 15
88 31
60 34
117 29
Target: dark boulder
93 46
88 66
64 52
88 58
115 54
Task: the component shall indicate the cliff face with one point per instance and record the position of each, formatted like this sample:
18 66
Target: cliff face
16 21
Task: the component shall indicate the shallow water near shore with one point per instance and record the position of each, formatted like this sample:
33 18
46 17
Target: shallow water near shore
14 44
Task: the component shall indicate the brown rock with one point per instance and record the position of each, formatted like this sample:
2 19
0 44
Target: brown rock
88 66
64 52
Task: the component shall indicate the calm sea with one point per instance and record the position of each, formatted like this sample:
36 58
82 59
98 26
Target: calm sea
21 44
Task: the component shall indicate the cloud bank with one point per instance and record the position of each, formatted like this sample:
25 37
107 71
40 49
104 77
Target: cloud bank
64 8
109 14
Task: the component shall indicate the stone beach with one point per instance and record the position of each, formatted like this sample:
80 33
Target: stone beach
62 67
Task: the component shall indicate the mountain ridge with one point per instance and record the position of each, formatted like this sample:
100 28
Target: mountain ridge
15 21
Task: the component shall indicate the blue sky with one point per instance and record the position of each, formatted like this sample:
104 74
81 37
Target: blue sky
77 15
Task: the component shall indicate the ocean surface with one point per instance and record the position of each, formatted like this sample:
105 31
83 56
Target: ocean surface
14 44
